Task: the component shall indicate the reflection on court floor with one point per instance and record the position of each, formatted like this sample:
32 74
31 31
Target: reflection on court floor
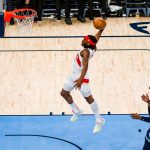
120 132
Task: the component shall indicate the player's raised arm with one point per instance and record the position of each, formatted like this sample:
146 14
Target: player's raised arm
100 24
98 34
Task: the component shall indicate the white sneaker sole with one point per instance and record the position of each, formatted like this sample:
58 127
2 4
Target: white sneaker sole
75 117
98 127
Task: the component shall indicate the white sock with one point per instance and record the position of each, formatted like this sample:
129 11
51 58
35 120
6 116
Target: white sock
94 107
74 107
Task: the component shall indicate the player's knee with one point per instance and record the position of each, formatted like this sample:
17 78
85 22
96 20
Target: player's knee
63 93
89 99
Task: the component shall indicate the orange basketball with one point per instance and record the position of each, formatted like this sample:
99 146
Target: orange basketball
99 23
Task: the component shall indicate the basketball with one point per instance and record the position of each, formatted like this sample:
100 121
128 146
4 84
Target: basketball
99 23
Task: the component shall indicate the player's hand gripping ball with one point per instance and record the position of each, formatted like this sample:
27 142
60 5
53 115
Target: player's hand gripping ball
99 23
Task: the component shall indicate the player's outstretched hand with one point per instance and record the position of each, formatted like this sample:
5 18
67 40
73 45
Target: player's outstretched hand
136 116
145 98
27 2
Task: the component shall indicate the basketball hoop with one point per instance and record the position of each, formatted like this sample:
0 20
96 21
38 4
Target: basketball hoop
24 17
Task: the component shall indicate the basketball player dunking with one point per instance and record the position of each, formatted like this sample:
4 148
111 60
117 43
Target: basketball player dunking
79 79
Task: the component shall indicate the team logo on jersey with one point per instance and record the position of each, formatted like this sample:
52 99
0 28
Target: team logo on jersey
143 27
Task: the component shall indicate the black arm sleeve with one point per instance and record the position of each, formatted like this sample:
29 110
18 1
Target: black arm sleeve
146 119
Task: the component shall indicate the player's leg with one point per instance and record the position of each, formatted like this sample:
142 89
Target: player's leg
10 7
104 8
90 4
65 93
67 12
81 11
39 9
86 92
58 9
94 106
36 5
147 141
20 4
146 145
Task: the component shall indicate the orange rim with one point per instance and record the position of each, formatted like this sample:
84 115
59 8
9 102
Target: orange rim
33 14
14 14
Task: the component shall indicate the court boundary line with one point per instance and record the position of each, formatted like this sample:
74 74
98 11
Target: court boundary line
44 136
60 115
54 37
51 50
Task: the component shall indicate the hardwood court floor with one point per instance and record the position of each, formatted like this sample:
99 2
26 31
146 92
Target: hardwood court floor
52 27
34 69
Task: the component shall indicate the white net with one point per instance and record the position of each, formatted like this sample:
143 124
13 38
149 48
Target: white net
25 19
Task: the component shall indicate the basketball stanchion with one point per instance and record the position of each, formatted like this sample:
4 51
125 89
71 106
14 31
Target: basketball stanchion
24 17
2 27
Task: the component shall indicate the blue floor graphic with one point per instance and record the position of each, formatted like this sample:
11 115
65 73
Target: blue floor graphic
120 132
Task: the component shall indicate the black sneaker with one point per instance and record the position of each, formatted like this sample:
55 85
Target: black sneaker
39 19
58 17
81 19
104 16
35 19
91 18
68 21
